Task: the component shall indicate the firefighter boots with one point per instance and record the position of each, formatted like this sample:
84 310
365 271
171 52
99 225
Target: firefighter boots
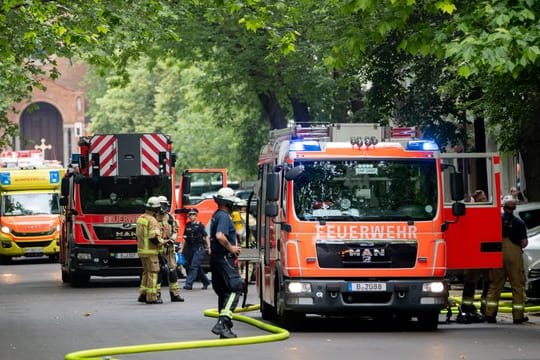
142 298
176 298
223 328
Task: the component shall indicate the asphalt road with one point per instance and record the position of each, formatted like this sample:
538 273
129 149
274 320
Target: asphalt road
41 318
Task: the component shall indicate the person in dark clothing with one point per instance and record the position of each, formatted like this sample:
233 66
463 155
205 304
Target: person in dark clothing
196 246
514 234
226 280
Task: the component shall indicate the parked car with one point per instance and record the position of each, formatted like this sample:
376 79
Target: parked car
530 213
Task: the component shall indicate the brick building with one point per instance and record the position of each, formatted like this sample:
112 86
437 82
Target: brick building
59 117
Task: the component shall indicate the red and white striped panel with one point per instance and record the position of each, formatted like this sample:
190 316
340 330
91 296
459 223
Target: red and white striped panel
106 147
151 146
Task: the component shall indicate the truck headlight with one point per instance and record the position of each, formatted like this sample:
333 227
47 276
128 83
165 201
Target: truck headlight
434 287
5 229
298 287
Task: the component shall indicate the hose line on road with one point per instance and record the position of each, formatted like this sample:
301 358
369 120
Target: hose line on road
505 306
277 334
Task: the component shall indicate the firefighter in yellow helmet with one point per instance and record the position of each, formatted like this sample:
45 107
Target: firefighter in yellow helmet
169 230
149 242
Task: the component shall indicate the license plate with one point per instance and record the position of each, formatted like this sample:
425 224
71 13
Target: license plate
33 250
367 286
126 256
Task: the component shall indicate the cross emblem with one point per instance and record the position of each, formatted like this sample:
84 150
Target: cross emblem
42 146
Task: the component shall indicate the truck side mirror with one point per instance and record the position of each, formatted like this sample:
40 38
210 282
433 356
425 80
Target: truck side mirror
186 184
458 209
64 188
272 187
456 187
293 173
271 209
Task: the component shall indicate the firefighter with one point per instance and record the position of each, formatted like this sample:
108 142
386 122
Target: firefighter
196 246
514 240
169 229
226 279
149 242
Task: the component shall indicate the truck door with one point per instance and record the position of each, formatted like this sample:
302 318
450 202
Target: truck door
474 239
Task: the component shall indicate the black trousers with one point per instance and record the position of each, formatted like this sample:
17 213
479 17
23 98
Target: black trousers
226 282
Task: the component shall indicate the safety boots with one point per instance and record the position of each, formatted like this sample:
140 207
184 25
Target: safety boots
223 328
142 298
176 298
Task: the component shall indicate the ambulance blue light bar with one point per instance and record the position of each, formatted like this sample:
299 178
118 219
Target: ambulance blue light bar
425 145
304 145
5 178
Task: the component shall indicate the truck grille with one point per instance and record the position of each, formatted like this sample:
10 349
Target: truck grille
367 254
27 234
28 244
116 232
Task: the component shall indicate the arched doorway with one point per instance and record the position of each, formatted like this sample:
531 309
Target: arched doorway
42 122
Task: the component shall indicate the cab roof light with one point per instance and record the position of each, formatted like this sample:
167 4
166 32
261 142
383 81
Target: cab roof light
367 141
423 145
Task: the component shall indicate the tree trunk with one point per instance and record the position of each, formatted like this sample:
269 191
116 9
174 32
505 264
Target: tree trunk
273 110
300 111
529 146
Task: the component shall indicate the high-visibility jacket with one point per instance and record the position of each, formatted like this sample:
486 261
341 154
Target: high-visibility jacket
148 228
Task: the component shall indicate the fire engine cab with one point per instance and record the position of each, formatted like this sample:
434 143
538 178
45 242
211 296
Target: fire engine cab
103 193
29 209
351 223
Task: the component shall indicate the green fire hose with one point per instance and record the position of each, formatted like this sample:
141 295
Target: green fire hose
277 334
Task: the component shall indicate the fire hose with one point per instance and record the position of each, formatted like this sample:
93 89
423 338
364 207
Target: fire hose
277 334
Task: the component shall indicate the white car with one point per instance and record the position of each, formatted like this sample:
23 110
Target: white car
530 213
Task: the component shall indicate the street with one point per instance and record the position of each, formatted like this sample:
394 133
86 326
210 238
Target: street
40 318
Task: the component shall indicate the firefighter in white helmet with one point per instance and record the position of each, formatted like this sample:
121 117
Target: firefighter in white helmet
226 280
169 230
149 242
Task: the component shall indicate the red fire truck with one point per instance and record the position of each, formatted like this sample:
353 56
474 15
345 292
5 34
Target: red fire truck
103 194
350 224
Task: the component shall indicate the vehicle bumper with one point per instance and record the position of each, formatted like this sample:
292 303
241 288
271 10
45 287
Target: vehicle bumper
339 296
28 248
105 261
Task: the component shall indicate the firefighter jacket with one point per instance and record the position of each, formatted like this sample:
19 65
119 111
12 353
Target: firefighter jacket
147 229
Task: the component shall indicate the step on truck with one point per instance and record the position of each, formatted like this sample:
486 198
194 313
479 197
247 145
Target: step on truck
103 193
29 209
353 222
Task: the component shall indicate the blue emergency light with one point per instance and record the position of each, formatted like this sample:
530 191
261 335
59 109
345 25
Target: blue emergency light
304 145
5 178
424 145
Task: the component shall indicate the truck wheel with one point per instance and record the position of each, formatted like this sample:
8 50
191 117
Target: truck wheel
288 319
65 277
5 260
79 280
428 321
53 258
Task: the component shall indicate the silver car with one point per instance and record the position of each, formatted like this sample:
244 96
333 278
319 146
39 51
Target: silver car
530 213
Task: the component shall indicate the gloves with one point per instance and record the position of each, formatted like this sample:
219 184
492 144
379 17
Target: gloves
154 240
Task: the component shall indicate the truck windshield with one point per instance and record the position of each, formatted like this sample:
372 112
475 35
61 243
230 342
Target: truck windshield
369 190
121 195
30 204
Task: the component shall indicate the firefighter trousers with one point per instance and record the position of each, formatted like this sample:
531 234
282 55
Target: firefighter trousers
150 277
513 270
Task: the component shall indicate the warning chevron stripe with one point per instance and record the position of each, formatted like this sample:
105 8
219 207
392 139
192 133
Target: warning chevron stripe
105 146
151 146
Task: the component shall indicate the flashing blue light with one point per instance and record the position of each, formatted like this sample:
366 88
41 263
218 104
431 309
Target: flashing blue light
304 145
5 178
425 145
54 177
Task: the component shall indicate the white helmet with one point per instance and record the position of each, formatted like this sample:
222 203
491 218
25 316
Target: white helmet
225 195
163 199
153 203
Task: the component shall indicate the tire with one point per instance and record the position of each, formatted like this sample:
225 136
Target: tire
5 260
268 312
79 280
54 258
428 321
288 319
65 277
